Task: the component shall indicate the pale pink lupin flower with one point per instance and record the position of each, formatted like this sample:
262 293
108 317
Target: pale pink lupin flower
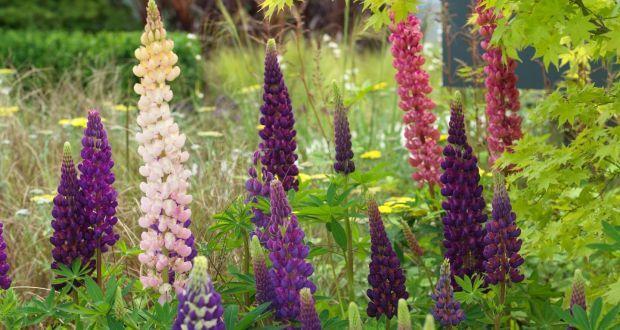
413 88
167 242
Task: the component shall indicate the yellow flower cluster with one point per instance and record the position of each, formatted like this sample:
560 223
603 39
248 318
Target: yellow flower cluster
401 205
372 154
309 177
8 111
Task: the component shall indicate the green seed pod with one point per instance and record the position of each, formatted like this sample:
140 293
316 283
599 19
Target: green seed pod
355 321
404 319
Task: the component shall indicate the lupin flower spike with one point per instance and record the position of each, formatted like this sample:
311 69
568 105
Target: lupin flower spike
97 195
200 306
502 243
264 287
5 280
342 137
386 277
578 293
290 271
276 151
413 88
412 241
404 319
446 311
429 323
502 94
463 203
355 320
73 237
167 242
308 317
278 144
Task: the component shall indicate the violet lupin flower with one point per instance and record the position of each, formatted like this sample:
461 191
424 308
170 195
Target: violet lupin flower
342 138
386 277
290 271
308 317
502 94
98 197
502 243
413 89
73 237
264 287
5 280
447 310
277 149
464 204
200 306
258 186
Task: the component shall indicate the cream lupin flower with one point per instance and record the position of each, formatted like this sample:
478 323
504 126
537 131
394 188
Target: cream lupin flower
167 243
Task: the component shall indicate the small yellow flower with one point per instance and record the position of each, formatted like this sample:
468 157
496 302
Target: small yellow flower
123 108
8 111
385 209
402 199
484 173
260 127
372 154
42 199
443 137
75 122
249 89
320 176
6 71
303 177
378 86
206 109
214 134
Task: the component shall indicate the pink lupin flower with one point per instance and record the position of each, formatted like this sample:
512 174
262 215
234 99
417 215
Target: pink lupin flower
413 88
502 95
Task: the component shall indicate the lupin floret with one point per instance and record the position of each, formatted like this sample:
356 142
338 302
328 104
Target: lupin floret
167 242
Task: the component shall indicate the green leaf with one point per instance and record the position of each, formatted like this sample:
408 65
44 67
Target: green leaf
230 316
338 233
607 320
595 312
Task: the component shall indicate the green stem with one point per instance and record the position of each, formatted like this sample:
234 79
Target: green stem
99 276
347 5
333 267
349 252
502 299
427 271
246 262
387 324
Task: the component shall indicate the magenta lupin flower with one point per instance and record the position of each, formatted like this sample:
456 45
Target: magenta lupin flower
264 286
447 310
73 236
342 138
386 277
308 317
290 271
98 197
502 95
413 88
5 280
502 243
464 204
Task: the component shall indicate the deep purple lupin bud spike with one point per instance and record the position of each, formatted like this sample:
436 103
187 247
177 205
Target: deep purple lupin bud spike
342 137
464 203
290 271
98 197
73 238
308 317
447 310
200 306
502 243
5 280
264 287
386 277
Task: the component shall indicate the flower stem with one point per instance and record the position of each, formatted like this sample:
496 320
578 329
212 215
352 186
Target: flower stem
349 252
99 277
387 323
246 262
502 299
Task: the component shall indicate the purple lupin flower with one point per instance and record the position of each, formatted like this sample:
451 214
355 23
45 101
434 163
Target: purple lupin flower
502 243
264 287
277 149
290 271
5 280
73 237
464 204
342 138
98 197
386 277
200 306
308 317
447 310
258 187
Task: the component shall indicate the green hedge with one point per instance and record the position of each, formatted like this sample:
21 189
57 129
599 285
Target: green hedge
62 52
